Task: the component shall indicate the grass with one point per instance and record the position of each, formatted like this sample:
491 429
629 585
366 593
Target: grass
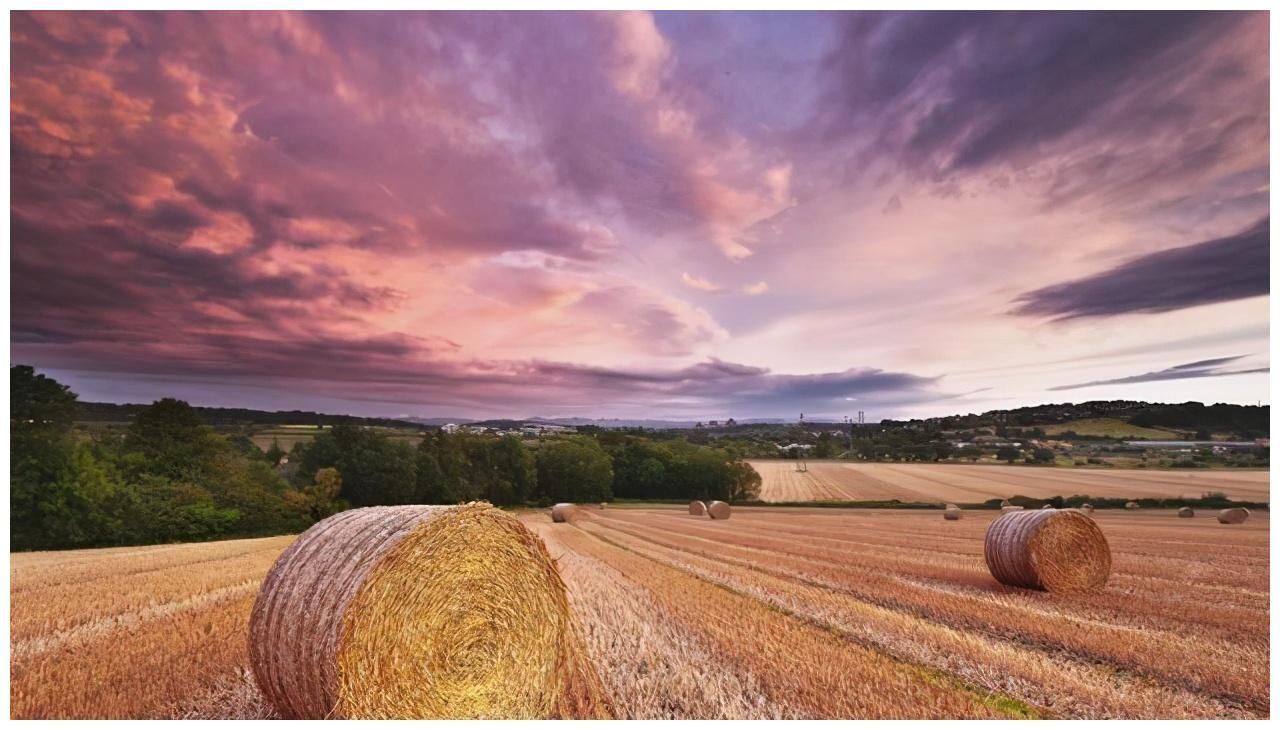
1109 428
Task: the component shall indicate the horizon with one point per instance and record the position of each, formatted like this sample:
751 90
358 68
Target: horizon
673 216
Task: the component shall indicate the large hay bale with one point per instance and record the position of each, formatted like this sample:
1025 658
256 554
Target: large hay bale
1233 516
951 512
1052 550
718 510
562 511
423 613
1186 512
1010 508
1131 505
697 508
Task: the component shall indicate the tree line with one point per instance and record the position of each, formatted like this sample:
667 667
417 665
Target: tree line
169 477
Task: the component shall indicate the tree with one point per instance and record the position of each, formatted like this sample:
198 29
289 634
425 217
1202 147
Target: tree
1008 453
575 470
320 499
375 469
172 440
1042 456
275 453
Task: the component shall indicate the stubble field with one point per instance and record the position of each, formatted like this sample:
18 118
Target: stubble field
776 613
855 481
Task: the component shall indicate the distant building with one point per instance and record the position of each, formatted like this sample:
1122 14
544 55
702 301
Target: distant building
449 428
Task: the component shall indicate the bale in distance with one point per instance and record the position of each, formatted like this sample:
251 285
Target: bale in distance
1010 508
1086 508
1186 512
1233 516
416 612
952 512
1131 505
697 508
1051 550
718 510
561 512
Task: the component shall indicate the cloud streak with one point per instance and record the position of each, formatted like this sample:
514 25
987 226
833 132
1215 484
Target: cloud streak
1219 270
1211 368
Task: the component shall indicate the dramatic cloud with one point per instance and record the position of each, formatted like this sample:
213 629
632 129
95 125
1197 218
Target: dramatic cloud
1211 368
635 214
1234 267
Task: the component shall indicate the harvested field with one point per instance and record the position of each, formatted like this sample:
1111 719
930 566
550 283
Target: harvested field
857 481
777 613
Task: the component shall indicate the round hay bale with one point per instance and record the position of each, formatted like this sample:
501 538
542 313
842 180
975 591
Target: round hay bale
1010 508
697 508
1131 505
951 512
603 505
561 512
419 613
1052 550
1233 516
718 510
1186 512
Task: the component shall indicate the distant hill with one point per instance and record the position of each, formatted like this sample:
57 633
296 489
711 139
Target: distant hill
1149 417
124 412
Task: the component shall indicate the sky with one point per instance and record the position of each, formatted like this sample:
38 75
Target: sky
634 215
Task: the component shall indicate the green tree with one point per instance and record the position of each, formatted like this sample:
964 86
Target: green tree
575 470
275 453
1008 453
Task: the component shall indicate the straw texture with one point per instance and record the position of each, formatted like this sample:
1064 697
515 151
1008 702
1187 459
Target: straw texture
952 512
1052 550
718 510
1233 516
697 508
419 612
1010 508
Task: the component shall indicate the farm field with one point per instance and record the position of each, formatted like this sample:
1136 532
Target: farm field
1110 428
856 481
289 436
776 613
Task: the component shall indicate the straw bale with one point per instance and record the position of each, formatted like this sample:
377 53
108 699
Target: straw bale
417 612
1052 550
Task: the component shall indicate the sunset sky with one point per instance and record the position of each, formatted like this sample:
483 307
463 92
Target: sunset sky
670 215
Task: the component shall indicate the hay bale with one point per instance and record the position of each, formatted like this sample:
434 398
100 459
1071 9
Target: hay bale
1186 512
562 511
1086 508
603 505
420 612
1131 505
697 508
718 510
1010 508
951 512
1052 550
1233 516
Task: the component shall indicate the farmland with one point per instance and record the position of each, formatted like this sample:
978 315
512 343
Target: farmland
776 613
852 481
